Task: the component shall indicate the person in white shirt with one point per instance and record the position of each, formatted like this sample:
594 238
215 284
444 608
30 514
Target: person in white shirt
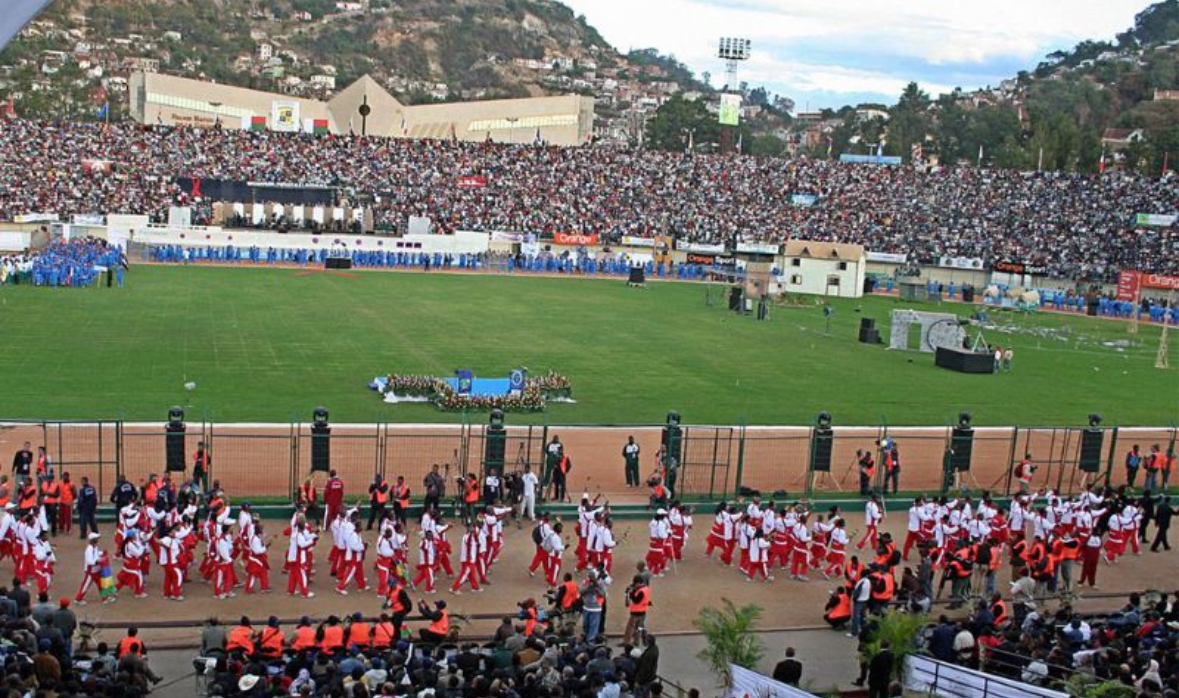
554 546
468 561
352 568
873 515
528 501
257 562
92 562
299 559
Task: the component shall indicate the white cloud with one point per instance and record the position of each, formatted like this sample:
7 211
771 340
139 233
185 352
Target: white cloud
933 36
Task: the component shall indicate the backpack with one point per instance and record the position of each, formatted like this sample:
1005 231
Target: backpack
537 538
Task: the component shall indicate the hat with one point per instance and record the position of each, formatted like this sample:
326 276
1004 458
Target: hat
358 616
661 512
441 604
44 644
247 682
64 602
9 506
94 536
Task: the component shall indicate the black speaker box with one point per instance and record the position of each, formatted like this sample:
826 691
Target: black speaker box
1091 442
821 442
962 444
174 447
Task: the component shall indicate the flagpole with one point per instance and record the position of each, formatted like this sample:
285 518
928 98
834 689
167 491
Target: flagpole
980 156
1040 162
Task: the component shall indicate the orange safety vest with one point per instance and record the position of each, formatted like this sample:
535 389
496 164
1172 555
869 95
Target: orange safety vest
359 635
381 495
999 611
42 464
394 597
241 638
869 465
28 498
442 625
333 638
403 496
272 642
52 492
843 608
529 620
304 638
150 492
68 493
130 644
644 601
889 587
383 634
854 571
308 492
570 596
472 492
1153 462
4 495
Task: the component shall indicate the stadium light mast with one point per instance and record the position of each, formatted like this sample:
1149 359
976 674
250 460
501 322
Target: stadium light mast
732 51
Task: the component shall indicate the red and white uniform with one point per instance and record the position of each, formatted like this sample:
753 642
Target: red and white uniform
602 545
759 554
427 564
171 555
836 555
387 553
872 517
554 547
299 562
43 559
681 524
257 563
92 562
469 560
352 565
660 532
135 556
800 550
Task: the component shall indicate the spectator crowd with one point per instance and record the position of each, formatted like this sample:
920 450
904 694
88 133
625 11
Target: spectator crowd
1071 225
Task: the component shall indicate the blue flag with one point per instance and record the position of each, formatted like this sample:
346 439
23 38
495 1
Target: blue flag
104 110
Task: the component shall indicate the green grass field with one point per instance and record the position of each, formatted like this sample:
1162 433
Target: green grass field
270 344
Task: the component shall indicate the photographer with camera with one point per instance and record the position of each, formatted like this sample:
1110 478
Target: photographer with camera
638 596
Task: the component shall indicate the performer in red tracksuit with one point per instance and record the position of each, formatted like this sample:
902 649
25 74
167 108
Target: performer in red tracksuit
468 561
333 498
257 562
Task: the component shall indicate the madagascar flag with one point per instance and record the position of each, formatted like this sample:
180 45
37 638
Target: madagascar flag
257 123
319 127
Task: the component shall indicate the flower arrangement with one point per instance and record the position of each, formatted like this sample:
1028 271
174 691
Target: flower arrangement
532 399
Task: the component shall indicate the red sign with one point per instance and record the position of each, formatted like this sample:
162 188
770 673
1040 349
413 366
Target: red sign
574 239
472 182
1130 282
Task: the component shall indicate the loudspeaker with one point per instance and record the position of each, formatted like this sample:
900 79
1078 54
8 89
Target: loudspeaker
744 491
672 441
1091 442
637 276
735 299
174 446
495 444
321 447
961 443
822 440
867 323
869 335
967 294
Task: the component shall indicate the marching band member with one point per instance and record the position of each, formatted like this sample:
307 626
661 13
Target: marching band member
224 577
873 515
586 511
915 532
554 546
257 560
540 558
469 557
386 564
93 561
800 551
299 559
836 549
759 551
171 553
133 554
352 565
680 520
659 531
43 559
427 562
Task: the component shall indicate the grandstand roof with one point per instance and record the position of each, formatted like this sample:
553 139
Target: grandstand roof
823 250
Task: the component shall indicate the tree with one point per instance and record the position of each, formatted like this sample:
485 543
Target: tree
901 630
767 146
668 129
908 121
730 636
758 97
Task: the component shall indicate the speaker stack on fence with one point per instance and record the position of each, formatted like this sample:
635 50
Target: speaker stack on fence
967 294
1092 440
962 443
821 442
495 443
672 439
321 444
868 332
174 440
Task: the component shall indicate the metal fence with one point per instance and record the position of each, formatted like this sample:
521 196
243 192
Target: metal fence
271 460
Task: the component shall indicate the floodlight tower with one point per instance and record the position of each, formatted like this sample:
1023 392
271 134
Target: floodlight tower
732 51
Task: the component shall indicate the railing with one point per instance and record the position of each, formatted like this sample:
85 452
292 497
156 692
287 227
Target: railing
714 463
934 677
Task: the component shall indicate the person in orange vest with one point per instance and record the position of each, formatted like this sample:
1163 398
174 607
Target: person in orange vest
1065 551
659 494
304 637
838 610
892 463
378 499
439 617
202 465
44 464
385 634
65 507
867 463
999 610
330 635
401 500
470 497
568 594
561 477
359 632
51 498
151 490
307 498
131 644
883 588
638 596
529 615
397 601
27 498
854 571
241 638
5 491
958 571
270 640
1154 466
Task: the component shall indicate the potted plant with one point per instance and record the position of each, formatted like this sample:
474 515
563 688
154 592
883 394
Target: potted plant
731 637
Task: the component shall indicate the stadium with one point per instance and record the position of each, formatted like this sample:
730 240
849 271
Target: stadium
350 396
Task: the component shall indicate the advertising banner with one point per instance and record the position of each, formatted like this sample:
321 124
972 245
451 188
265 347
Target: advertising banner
804 200
472 182
963 263
574 239
284 115
1130 283
633 241
501 236
750 684
758 248
888 257
730 110
1019 268
870 159
700 247
1155 219
708 259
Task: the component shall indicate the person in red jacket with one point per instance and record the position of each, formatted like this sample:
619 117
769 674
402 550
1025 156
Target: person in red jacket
333 498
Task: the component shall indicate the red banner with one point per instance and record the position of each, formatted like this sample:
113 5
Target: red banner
574 239
1131 282
472 182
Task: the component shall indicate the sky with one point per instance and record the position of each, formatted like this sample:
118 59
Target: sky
835 52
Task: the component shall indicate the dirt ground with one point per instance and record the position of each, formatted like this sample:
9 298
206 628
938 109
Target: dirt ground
695 583
271 460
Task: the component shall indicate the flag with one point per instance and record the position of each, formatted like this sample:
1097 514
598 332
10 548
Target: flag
980 154
1166 163
257 123
404 127
9 111
319 126
539 140
104 111
1101 162
740 141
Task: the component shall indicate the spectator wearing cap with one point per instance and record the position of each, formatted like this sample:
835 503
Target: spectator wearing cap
66 622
